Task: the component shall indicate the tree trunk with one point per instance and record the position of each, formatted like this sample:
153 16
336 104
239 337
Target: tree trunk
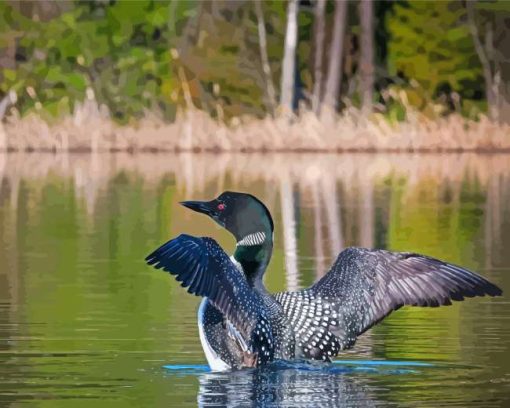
319 28
502 65
335 56
6 101
488 74
367 55
289 58
271 93
8 53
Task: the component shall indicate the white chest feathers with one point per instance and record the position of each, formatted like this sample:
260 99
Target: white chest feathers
214 361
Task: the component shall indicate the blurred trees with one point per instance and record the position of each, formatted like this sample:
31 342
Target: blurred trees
120 52
488 24
234 58
289 57
336 54
271 92
366 65
439 45
319 33
431 45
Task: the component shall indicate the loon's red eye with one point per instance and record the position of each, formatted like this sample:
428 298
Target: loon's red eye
221 207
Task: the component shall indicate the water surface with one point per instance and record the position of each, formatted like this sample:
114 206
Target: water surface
83 321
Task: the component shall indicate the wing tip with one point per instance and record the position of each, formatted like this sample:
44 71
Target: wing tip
469 283
482 286
150 259
483 289
492 290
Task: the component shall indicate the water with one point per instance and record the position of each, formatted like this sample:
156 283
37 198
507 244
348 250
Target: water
83 321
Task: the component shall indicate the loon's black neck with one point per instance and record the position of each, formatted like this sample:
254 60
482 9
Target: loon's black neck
254 260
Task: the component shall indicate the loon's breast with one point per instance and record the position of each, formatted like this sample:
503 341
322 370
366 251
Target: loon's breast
223 345
206 331
220 341
220 349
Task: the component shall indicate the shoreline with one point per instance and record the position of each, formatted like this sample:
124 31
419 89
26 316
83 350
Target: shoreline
196 132
198 151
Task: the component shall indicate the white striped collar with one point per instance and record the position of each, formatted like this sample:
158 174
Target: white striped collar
255 238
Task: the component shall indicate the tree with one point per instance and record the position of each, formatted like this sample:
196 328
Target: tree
334 78
319 28
261 28
230 53
430 43
289 58
486 22
366 10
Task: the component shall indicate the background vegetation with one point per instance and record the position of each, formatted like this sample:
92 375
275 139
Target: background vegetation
234 58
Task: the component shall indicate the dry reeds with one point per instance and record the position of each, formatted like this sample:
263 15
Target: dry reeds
194 130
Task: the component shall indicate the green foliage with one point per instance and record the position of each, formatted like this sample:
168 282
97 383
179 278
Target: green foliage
431 43
222 56
123 52
120 50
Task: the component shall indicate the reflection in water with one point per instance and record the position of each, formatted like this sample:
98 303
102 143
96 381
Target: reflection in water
333 209
82 317
317 226
338 187
289 234
283 387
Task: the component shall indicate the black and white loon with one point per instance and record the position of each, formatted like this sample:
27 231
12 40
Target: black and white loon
242 325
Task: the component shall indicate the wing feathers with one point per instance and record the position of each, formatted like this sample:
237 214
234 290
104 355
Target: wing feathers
205 270
367 285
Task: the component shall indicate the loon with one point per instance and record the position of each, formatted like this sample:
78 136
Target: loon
241 324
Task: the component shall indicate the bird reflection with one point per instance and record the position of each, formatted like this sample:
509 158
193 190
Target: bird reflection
284 387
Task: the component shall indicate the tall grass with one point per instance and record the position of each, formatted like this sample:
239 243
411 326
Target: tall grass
88 129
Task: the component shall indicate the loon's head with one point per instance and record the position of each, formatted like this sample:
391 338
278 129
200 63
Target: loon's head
242 214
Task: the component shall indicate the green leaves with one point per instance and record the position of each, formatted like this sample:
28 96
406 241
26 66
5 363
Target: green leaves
431 43
119 49
122 50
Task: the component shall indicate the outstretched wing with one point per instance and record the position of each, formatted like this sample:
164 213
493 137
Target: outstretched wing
202 267
364 286
367 285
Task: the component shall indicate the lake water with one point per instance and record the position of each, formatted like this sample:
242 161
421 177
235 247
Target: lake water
84 322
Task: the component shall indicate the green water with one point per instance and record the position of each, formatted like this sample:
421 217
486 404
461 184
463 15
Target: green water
83 322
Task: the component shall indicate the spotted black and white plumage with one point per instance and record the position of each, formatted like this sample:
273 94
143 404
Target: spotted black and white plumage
240 318
364 286
313 320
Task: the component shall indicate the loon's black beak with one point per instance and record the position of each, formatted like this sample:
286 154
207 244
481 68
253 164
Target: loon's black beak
203 207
